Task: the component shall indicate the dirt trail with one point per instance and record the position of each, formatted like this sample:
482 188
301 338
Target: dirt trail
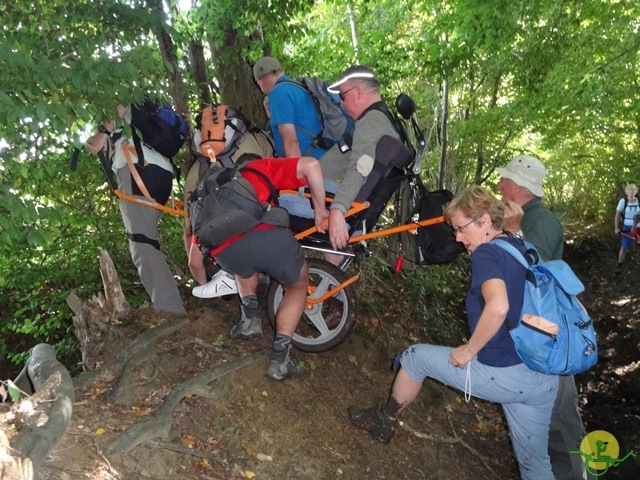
250 427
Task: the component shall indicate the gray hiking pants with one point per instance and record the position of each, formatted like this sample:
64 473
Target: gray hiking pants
141 227
566 432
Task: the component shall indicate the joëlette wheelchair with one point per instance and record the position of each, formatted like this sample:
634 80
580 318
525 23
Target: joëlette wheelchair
329 315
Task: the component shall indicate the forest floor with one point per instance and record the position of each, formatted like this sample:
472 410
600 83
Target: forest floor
253 427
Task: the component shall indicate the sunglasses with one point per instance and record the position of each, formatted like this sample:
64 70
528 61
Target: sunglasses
344 94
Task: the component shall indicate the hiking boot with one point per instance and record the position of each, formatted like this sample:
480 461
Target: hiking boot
222 283
249 324
281 368
375 420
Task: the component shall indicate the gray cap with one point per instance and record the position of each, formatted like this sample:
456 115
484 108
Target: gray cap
525 171
265 66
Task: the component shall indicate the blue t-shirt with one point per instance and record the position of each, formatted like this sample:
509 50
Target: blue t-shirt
490 261
293 104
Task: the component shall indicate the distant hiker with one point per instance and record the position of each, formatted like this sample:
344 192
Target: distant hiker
263 247
626 220
521 182
487 366
155 174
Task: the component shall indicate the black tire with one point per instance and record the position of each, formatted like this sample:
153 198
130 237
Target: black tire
327 324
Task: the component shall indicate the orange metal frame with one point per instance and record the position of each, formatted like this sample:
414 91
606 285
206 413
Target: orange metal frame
356 207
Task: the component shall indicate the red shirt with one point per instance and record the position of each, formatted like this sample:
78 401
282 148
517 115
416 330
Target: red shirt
283 173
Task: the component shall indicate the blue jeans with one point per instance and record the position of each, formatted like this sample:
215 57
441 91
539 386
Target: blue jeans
300 206
527 398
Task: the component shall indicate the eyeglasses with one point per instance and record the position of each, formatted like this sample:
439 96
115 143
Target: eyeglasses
344 94
460 230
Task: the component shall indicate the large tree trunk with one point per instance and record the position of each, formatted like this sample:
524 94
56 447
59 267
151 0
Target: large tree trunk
237 85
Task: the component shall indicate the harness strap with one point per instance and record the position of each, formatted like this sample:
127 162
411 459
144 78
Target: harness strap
127 149
142 238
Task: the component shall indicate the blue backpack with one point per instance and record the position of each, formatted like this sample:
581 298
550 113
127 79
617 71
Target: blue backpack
555 334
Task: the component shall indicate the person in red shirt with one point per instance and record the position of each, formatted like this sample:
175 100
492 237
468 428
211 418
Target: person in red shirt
274 251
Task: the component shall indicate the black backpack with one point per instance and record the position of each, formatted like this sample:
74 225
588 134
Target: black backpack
160 127
225 205
437 243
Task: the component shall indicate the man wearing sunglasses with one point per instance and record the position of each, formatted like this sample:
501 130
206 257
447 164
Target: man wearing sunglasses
359 92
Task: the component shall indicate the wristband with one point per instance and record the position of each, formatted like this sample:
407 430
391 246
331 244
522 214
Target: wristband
103 129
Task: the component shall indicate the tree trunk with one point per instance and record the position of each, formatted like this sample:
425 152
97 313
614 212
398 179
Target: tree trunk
443 133
199 71
52 397
237 85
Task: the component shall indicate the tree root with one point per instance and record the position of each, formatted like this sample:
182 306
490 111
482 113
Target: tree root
159 424
143 341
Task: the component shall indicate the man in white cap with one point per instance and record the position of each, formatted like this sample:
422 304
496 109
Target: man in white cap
359 92
293 117
525 215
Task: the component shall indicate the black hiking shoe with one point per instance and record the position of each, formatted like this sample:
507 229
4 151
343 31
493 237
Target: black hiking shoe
282 366
248 326
374 420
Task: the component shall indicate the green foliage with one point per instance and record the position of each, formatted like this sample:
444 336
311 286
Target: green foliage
553 79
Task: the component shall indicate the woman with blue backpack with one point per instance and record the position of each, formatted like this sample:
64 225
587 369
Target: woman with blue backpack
625 221
488 366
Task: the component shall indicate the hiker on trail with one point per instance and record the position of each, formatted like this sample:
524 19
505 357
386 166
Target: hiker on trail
272 250
292 114
140 222
625 221
487 366
222 137
525 215
521 186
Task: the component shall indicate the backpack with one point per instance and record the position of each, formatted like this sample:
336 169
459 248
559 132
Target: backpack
337 126
225 205
636 216
555 334
437 242
160 127
212 124
223 130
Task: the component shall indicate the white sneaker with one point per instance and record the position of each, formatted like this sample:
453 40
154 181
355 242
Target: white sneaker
222 283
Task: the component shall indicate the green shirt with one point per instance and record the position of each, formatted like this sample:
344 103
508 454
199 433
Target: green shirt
543 229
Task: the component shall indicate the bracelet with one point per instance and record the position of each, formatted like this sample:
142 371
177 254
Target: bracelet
103 129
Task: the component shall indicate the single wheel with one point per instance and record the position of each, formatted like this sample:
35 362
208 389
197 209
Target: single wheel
323 325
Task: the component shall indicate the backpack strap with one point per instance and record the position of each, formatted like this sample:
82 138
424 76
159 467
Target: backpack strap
528 259
393 119
126 150
273 195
